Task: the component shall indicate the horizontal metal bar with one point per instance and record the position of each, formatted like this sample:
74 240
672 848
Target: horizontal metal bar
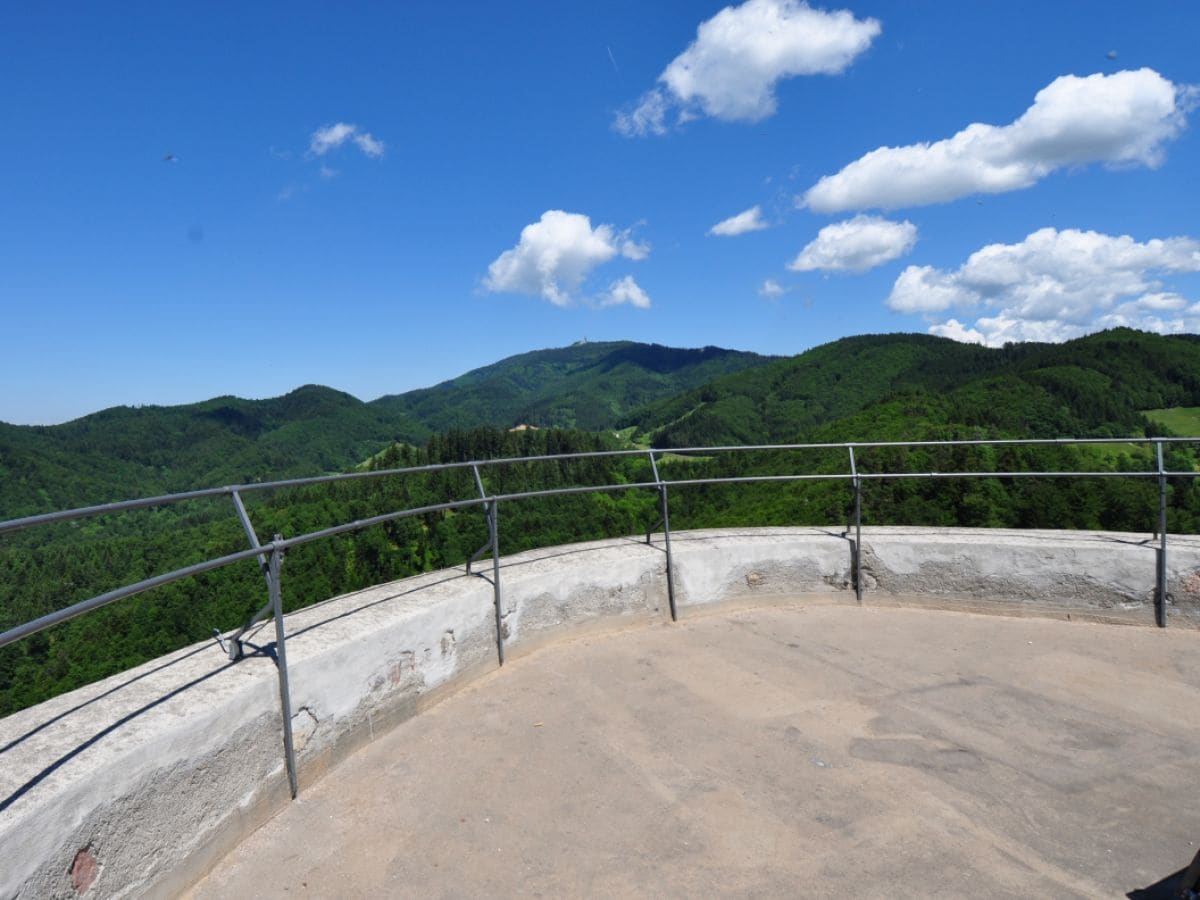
882 476
750 479
974 442
885 475
359 524
688 482
581 489
84 606
103 599
432 467
84 512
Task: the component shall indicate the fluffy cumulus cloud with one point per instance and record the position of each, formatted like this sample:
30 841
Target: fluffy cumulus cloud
749 220
956 331
1056 285
330 137
626 290
556 253
856 245
730 70
1119 119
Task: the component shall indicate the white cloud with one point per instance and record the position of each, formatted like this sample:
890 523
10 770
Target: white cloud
771 288
626 290
557 252
856 245
1119 119
1057 285
924 289
330 137
730 70
369 145
648 117
956 331
746 221
635 250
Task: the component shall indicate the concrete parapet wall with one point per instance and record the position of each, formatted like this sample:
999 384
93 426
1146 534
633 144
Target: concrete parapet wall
137 784
1096 575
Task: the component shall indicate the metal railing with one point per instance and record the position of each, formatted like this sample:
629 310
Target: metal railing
270 555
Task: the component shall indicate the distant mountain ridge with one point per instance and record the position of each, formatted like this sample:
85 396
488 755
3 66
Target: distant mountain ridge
868 387
911 386
587 386
125 452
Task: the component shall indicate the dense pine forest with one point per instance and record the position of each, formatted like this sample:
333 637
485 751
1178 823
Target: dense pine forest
888 387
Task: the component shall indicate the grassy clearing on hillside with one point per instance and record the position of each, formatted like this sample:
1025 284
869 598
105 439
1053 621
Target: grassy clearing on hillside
1183 420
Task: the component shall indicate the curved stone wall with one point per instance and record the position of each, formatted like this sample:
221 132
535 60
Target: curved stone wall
137 784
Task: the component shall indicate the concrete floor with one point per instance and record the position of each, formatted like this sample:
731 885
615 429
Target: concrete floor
817 751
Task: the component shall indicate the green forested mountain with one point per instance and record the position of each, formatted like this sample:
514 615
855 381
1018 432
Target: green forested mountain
899 386
885 387
587 386
873 386
127 452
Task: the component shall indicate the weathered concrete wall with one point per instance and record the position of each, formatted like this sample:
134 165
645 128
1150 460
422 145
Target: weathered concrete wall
137 784
1104 576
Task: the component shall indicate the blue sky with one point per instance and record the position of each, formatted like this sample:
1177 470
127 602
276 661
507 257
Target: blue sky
242 198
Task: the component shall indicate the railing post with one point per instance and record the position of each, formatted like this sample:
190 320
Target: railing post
1160 598
236 649
664 509
858 586
666 514
285 697
494 533
487 511
492 510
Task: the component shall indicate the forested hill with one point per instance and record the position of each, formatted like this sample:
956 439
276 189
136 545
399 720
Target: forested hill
908 386
586 386
898 386
128 452
873 387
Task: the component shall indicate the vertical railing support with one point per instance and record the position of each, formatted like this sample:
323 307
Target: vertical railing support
494 535
236 648
285 697
857 560
1160 595
666 516
487 512
492 511
665 511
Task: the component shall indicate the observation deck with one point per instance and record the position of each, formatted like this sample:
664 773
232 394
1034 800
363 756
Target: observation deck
806 749
781 738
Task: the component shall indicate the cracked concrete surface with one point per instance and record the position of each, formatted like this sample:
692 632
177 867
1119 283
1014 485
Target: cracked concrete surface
797 750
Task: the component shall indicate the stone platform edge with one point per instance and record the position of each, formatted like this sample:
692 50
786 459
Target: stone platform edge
138 784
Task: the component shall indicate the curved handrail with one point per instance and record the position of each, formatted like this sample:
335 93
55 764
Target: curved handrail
164 499
270 554
853 474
